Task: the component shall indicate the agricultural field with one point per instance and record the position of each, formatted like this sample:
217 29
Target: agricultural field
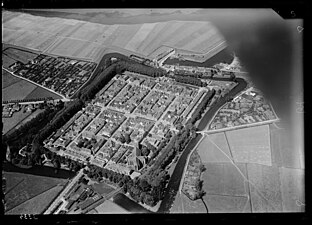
211 146
224 179
21 187
8 79
7 61
40 92
284 153
102 188
254 149
227 204
109 207
292 188
74 38
17 91
265 189
37 204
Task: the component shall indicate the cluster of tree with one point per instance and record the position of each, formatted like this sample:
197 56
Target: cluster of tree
141 68
199 189
59 120
27 100
35 157
202 106
190 80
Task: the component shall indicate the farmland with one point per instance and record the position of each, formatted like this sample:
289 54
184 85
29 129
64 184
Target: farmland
210 153
109 207
8 79
40 92
87 40
21 187
254 149
37 204
265 189
228 204
18 90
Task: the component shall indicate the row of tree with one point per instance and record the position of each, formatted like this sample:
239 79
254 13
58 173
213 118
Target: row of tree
202 106
190 80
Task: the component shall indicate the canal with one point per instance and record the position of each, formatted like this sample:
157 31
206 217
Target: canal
174 183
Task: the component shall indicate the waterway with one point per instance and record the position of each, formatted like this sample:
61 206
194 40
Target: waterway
174 183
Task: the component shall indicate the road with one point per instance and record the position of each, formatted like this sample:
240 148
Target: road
61 195
63 97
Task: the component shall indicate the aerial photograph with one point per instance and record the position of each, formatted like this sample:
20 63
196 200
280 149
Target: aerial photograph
168 110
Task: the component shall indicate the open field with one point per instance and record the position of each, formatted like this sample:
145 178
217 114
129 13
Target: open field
292 188
209 152
18 90
7 61
8 79
254 149
183 204
17 117
37 204
102 188
265 191
40 92
25 186
109 207
284 153
224 179
19 55
82 39
227 204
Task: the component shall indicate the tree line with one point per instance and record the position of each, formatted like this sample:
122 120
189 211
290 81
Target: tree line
190 80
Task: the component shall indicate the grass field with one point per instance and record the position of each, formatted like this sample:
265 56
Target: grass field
102 188
37 204
109 207
40 92
17 90
250 145
17 117
8 79
209 152
27 187
265 191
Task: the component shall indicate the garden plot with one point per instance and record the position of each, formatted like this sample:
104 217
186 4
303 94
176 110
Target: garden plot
227 204
150 37
250 145
140 36
209 152
264 187
124 34
224 179
292 188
